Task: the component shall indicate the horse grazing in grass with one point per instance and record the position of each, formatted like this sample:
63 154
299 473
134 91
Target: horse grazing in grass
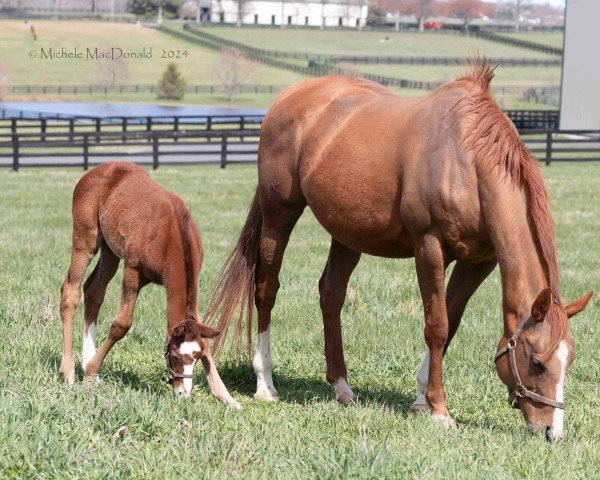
120 211
440 178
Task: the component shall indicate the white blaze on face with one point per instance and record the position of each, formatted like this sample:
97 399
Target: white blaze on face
188 348
89 345
562 353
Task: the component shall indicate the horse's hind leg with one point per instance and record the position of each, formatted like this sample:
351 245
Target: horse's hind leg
94 290
86 242
465 280
132 283
332 287
278 223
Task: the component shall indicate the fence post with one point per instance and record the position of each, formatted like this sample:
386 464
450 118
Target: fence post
13 125
86 148
71 128
15 145
97 130
124 129
148 124
209 123
43 129
154 151
223 151
175 127
548 147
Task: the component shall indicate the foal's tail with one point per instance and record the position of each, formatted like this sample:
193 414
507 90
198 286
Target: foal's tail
236 282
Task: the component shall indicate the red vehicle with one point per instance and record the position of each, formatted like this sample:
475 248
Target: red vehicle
432 26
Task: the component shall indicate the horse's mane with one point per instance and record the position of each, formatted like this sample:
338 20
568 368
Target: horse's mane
495 143
183 218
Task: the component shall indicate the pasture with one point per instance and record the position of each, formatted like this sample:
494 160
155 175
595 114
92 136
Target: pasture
52 431
198 68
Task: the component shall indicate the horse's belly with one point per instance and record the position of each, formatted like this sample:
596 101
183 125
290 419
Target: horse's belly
362 215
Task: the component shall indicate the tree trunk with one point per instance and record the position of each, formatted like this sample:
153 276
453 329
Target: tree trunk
421 23
397 25
282 13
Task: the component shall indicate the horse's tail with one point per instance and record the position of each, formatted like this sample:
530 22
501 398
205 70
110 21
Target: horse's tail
236 282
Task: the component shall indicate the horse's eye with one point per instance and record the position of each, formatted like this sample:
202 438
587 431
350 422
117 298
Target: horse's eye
537 363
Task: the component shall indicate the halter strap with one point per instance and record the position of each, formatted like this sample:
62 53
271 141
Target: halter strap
172 373
520 390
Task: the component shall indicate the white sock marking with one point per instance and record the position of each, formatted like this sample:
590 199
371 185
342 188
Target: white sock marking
422 380
262 363
342 390
562 353
89 345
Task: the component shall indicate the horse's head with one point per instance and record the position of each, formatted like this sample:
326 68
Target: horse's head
533 371
186 344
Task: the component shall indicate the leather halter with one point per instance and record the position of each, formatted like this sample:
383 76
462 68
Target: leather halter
172 373
520 390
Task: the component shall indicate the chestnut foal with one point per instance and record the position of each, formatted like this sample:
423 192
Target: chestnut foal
120 211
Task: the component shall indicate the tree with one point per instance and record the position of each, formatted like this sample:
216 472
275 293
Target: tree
421 9
241 6
110 72
376 16
172 84
231 69
467 10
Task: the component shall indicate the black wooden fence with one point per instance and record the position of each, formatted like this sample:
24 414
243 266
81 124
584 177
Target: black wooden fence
318 69
136 88
517 42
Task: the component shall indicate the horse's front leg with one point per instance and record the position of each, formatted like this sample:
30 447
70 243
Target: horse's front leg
465 280
430 262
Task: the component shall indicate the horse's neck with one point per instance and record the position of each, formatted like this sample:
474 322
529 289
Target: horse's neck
515 243
178 305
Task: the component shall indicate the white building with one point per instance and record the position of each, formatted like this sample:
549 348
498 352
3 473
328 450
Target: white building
326 13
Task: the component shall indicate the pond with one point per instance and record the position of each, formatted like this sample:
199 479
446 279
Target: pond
105 110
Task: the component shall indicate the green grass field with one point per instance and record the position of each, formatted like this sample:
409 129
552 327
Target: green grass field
197 68
554 39
49 430
371 43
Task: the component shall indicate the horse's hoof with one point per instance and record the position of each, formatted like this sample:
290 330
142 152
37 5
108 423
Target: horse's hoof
68 371
91 380
418 407
343 393
235 405
445 420
266 395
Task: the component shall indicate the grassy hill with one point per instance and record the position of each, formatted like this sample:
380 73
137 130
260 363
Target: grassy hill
16 42
197 65
371 43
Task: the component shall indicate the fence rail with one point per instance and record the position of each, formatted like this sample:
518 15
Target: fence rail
317 69
517 42
22 121
137 88
223 147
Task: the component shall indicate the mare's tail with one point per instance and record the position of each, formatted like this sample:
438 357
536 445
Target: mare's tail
236 282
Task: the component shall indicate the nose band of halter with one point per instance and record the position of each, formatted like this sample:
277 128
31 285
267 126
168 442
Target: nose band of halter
520 390
172 373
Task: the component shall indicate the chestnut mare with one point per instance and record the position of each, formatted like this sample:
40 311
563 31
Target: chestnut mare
441 178
120 211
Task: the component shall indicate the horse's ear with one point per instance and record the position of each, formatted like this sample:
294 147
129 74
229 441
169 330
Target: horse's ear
180 330
207 332
541 304
578 305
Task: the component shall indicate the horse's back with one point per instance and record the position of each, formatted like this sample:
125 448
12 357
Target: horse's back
365 159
